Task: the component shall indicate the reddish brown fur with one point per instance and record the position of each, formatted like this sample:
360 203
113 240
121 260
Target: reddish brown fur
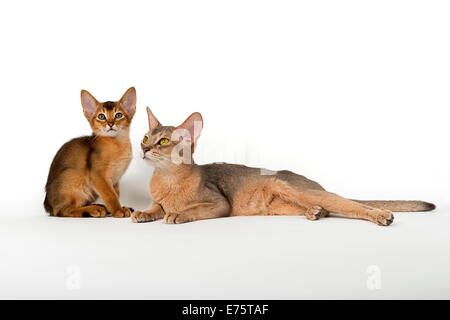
188 192
87 167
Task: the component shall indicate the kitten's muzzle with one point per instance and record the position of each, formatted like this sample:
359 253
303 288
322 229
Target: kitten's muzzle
111 127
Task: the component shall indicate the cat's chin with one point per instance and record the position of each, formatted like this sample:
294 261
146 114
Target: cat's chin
156 163
152 162
149 162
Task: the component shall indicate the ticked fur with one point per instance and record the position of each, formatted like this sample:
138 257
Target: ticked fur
88 167
184 192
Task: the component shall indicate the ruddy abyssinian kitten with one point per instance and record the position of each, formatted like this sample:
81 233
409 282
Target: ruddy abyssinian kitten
183 191
87 167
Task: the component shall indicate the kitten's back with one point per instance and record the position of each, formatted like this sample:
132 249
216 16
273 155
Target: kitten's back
74 154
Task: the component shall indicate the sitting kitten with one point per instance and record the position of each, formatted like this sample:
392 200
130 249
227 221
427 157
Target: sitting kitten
87 167
183 191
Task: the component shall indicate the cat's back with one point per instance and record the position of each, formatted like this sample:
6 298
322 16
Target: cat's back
230 178
221 170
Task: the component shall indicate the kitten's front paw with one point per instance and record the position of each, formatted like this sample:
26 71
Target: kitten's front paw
124 212
173 218
142 216
97 211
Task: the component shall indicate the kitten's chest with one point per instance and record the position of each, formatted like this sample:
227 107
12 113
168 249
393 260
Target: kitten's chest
119 168
119 160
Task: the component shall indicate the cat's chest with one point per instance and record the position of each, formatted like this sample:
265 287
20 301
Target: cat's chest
174 195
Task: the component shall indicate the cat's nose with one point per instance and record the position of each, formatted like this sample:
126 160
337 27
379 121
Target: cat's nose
145 150
111 124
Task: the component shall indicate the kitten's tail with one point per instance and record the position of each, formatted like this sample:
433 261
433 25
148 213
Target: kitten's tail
47 205
399 205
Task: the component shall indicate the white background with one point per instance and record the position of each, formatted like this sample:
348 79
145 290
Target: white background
352 94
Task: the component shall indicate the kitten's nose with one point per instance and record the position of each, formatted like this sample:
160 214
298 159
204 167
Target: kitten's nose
145 150
111 124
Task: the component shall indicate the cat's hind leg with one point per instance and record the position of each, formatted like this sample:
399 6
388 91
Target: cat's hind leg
269 197
280 207
349 208
333 203
328 201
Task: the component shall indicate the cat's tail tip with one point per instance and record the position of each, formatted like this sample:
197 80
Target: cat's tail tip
400 205
428 206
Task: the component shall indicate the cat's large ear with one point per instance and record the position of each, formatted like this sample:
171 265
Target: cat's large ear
194 125
152 121
89 104
128 101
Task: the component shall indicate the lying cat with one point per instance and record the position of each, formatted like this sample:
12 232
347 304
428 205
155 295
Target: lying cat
87 167
183 191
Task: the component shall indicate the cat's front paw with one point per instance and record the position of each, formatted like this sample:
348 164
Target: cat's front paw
124 212
314 213
142 216
173 218
383 217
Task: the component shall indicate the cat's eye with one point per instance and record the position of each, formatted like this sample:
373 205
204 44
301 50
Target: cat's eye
101 116
118 115
145 140
163 141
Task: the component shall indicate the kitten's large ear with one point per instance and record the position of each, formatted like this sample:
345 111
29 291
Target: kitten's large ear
152 121
89 104
193 124
128 101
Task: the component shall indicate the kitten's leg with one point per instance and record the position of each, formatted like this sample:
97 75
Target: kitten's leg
155 212
117 189
199 211
96 211
106 190
73 201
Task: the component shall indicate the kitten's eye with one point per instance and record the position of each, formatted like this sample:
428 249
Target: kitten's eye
145 140
118 115
163 141
101 116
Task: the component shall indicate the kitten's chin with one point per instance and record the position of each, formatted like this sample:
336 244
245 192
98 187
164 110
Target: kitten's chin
110 133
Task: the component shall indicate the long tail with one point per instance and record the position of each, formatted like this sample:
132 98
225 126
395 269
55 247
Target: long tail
399 205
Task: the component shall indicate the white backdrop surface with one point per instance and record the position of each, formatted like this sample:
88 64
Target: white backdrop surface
352 94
